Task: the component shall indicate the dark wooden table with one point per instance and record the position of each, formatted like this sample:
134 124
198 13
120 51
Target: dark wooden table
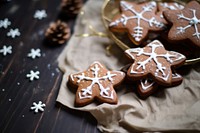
17 93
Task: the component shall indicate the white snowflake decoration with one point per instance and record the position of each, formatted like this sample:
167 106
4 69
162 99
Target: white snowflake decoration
38 107
13 33
192 22
33 75
6 50
5 23
138 30
152 57
146 83
40 14
87 92
34 53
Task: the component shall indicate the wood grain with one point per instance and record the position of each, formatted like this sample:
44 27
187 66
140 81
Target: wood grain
17 93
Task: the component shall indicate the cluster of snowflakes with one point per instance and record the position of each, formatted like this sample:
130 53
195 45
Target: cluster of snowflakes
7 49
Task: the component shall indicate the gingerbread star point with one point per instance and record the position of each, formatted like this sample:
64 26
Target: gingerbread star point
155 61
137 20
96 83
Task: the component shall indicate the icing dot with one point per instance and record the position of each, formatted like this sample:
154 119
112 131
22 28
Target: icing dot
194 21
3 90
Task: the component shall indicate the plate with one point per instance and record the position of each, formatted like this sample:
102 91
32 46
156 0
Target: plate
110 8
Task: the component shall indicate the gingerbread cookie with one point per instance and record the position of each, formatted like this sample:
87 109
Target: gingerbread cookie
154 61
137 20
186 23
96 83
147 86
163 6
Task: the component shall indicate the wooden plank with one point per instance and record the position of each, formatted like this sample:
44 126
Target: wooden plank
17 93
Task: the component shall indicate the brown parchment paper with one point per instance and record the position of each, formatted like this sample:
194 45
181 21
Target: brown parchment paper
172 109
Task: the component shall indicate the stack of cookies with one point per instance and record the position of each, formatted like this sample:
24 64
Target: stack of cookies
152 65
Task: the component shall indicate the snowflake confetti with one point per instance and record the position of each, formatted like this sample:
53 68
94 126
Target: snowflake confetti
33 75
5 23
34 53
13 33
38 107
6 50
40 14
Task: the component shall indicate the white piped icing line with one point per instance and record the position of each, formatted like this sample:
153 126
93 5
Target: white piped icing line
104 91
146 84
192 22
138 30
176 75
175 6
172 6
170 57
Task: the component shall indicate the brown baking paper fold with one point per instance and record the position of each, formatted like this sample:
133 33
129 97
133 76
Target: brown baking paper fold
172 109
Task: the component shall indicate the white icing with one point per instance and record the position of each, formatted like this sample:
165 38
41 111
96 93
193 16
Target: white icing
146 84
104 91
175 6
192 22
138 30
176 75
165 77
172 6
170 57
71 76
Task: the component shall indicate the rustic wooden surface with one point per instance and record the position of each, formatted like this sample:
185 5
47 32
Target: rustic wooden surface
17 93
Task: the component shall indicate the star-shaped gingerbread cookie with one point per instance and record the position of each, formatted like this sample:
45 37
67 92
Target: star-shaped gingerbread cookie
185 23
96 83
137 20
154 61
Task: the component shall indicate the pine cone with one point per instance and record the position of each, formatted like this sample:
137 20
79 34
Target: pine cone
58 32
71 7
